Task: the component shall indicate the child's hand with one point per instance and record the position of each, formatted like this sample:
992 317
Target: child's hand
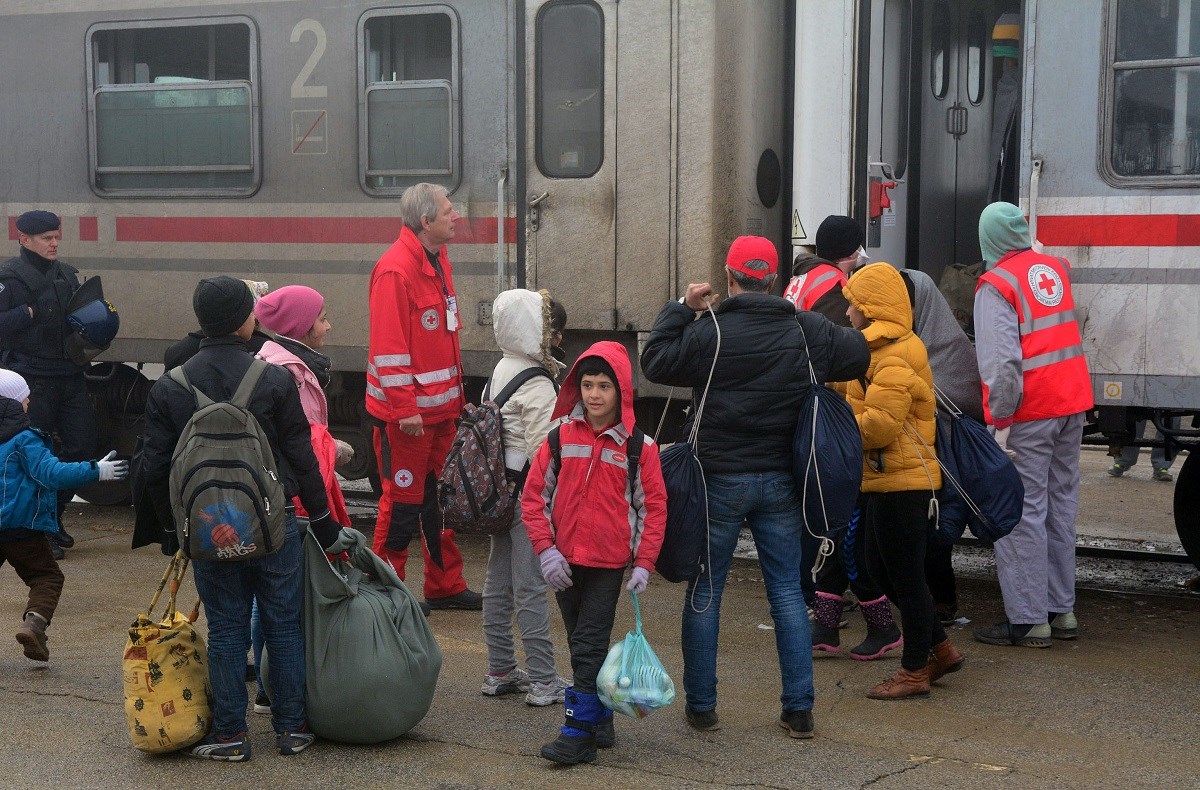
555 569
638 580
112 470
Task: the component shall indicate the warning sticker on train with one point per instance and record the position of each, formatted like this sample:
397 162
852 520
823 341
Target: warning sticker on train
1046 285
430 319
403 478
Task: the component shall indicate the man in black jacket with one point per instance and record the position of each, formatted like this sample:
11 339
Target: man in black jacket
35 288
224 307
763 355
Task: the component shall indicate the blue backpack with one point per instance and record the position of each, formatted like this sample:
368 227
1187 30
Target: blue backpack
981 489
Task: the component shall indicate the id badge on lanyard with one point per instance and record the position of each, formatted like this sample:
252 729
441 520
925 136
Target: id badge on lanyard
452 313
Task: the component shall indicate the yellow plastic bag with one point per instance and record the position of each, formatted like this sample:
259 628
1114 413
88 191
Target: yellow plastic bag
166 674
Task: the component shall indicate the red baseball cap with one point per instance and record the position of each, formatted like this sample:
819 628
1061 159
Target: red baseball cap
752 248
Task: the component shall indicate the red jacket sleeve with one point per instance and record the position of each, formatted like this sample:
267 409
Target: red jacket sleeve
390 393
654 508
536 500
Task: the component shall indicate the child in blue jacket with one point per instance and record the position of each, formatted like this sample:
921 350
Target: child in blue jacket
30 476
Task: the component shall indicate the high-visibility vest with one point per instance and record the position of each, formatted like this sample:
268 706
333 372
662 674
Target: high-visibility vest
1056 382
805 289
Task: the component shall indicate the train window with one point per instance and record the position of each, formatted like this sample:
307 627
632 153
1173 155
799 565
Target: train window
409 79
173 108
1152 99
977 41
939 51
570 89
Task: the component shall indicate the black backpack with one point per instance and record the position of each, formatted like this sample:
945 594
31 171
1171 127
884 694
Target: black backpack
476 491
226 495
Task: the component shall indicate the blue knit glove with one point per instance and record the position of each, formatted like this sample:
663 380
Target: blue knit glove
555 569
638 580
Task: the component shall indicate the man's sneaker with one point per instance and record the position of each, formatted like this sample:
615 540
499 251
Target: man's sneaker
467 599
798 723
1162 475
235 749
1064 626
63 538
703 720
294 742
56 550
1117 469
1015 635
262 704
32 636
514 681
542 694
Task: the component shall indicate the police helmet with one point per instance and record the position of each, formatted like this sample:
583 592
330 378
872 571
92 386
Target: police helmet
93 320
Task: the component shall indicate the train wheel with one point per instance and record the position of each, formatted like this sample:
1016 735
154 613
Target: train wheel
1187 506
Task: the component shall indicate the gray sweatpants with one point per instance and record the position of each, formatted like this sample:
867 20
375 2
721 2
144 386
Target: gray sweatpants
514 580
1036 561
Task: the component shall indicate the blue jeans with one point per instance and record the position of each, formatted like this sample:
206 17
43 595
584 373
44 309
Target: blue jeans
228 590
768 502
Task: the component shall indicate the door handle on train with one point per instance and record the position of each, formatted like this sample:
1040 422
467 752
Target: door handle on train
536 200
886 170
956 120
535 211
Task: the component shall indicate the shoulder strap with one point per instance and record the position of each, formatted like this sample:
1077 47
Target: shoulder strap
636 442
179 377
241 398
517 382
555 450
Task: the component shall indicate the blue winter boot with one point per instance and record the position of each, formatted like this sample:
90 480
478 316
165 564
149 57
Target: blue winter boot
576 742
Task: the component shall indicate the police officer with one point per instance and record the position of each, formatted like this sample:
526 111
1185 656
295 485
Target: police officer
35 289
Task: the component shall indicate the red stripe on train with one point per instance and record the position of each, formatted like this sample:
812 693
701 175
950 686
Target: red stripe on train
295 230
1119 230
88 228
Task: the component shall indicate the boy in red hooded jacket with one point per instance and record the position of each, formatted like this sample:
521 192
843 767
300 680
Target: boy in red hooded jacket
587 521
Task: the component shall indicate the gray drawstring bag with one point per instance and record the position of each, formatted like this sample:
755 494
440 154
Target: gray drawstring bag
371 660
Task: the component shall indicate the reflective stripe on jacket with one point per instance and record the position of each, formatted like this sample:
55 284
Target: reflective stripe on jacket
804 290
413 361
1054 371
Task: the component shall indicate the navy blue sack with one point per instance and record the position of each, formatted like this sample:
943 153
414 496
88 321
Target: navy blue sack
981 489
681 557
827 460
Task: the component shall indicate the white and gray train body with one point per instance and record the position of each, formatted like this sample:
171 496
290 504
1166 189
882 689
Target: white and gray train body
607 151
1104 157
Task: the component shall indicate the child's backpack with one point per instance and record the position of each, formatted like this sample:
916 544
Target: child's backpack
636 442
226 495
476 491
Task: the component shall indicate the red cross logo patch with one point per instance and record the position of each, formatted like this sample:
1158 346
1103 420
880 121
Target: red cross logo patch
1046 285
403 478
430 319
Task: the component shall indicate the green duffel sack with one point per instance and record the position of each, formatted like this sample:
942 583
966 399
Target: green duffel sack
371 660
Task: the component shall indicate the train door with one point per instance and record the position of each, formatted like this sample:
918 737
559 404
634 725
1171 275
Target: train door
571 200
955 89
886 177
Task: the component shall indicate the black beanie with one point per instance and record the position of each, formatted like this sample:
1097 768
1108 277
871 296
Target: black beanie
590 366
35 223
838 237
222 305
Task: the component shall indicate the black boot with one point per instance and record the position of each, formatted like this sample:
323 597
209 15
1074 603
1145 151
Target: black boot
606 735
827 616
62 538
576 742
882 633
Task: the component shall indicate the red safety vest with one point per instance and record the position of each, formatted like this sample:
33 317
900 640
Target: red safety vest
804 290
1056 382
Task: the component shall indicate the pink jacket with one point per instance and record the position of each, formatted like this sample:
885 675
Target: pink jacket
312 397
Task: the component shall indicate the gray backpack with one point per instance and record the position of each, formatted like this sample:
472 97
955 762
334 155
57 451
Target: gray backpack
226 494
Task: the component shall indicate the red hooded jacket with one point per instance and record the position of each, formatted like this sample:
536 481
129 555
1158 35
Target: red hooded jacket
586 511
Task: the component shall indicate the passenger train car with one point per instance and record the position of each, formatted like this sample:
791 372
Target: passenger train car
609 151
606 151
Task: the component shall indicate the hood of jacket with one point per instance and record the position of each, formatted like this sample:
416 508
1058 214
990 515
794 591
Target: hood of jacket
805 262
879 292
13 418
521 323
618 358
1002 229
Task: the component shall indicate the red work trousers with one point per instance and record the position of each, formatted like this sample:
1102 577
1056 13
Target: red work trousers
408 470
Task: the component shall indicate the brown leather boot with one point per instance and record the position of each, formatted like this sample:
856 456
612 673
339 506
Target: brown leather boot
903 684
944 659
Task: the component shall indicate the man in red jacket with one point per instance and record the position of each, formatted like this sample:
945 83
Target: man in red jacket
415 391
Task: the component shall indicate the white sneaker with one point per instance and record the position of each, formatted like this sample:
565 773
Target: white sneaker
514 681
1064 626
542 694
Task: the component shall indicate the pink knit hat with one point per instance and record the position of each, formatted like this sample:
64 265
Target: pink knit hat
290 311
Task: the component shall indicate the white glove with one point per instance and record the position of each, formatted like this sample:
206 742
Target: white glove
1002 440
112 470
345 452
638 580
